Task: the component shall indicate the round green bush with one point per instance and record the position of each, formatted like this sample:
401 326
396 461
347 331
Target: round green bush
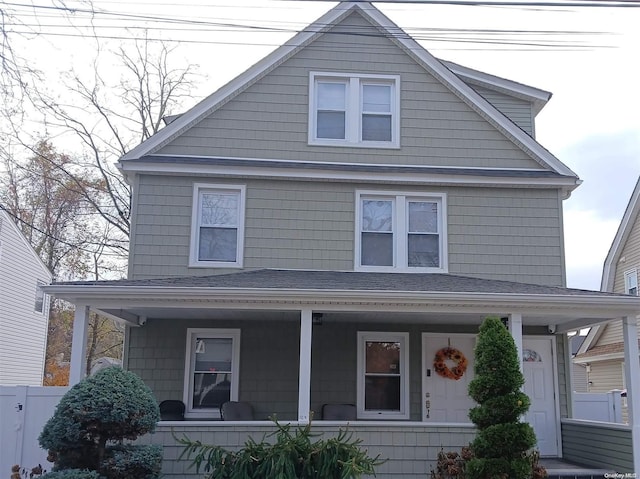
111 406
507 440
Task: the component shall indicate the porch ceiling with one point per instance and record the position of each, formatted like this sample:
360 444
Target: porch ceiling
357 296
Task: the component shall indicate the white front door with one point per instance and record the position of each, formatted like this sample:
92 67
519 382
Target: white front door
539 367
445 399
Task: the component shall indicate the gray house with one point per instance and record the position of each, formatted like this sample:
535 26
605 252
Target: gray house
320 229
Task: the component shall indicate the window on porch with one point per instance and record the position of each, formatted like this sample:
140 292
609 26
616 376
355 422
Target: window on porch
211 375
383 371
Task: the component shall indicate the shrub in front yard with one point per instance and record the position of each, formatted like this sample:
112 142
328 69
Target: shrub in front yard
91 421
292 455
502 444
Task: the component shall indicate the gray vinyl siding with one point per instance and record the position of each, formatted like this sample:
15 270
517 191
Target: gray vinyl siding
270 118
563 381
157 354
517 110
411 451
598 446
511 234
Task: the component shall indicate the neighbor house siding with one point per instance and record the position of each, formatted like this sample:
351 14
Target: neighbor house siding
629 258
270 118
605 376
517 110
510 234
23 330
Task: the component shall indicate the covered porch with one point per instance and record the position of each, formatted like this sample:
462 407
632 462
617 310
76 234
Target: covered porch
301 342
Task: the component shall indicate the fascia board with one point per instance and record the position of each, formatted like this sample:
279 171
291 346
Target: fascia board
598 357
246 78
465 92
525 92
583 306
622 235
592 338
428 177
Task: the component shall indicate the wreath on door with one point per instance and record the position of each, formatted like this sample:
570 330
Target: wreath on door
455 355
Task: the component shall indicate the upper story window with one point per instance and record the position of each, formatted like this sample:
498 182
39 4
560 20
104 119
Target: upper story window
39 302
400 232
631 282
383 375
217 225
211 371
354 110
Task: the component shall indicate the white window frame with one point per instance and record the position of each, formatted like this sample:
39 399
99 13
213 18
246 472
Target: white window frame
353 118
192 333
631 281
199 188
400 200
403 339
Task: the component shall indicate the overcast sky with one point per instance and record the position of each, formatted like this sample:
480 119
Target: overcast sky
592 122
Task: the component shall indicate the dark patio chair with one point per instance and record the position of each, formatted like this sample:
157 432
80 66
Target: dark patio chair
172 410
339 412
236 411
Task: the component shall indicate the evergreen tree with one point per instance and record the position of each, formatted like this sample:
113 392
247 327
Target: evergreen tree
501 445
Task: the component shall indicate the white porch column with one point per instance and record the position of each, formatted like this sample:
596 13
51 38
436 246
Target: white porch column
515 328
632 380
304 381
79 344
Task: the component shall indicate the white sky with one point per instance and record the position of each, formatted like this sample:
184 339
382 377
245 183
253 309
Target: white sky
592 123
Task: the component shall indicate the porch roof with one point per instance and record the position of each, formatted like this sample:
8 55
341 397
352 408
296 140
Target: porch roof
468 299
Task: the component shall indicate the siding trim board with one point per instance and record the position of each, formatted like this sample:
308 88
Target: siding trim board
409 46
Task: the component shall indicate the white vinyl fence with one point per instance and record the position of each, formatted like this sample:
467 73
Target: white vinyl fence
24 410
604 407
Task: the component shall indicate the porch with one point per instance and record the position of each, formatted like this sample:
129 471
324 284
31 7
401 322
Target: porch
302 339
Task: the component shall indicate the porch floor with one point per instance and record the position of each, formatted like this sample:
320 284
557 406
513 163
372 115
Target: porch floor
558 468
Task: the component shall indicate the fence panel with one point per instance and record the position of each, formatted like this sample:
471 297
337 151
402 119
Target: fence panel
24 410
605 407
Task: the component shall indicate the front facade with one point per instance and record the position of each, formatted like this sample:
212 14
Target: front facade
318 229
24 308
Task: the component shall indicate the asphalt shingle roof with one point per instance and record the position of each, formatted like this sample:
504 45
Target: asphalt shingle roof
265 279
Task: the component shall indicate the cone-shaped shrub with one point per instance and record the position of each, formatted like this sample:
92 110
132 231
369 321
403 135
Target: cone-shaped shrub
95 414
502 442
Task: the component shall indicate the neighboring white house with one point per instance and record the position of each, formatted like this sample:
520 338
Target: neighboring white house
24 308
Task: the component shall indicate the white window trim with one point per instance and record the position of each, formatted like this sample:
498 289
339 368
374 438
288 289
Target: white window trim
627 276
400 262
234 334
403 339
353 120
194 262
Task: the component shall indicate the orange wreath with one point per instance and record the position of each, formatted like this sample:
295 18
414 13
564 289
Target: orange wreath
454 355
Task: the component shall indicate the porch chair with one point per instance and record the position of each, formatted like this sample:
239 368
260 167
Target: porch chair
236 411
339 412
172 410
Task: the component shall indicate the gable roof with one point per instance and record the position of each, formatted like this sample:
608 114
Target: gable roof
6 219
404 41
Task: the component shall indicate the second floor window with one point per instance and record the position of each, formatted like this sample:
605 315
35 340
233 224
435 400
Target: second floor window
631 282
217 225
354 110
400 232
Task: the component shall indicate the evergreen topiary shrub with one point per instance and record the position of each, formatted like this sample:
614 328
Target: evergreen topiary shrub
94 417
501 447
71 474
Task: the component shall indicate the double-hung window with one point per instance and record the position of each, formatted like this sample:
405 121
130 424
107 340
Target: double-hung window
211 371
400 232
354 110
383 375
217 225
631 282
